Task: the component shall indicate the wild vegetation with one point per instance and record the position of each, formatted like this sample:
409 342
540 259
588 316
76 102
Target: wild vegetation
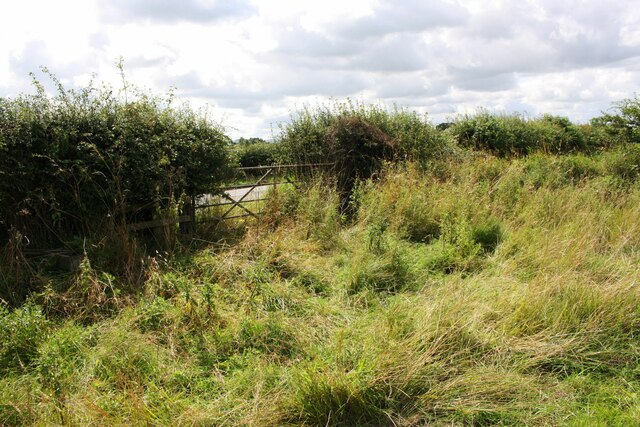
76 167
473 281
251 152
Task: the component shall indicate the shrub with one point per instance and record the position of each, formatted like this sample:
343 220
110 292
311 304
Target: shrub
513 134
305 138
559 135
256 153
624 122
72 163
22 331
357 149
624 162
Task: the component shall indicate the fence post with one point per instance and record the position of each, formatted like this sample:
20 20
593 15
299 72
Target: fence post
189 227
193 214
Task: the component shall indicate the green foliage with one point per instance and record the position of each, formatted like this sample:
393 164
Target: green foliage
307 137
63 356
487 234
268 335
481 290
623 122
386 272
153 314
335 398
23 329
319 213
505 135
255 152
624 162
74 162
124 357
579 167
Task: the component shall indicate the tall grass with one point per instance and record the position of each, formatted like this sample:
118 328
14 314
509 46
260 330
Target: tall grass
479 291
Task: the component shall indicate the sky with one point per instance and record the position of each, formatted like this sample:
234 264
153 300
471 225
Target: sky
251 63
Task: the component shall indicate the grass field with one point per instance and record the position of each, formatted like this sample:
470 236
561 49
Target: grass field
474 290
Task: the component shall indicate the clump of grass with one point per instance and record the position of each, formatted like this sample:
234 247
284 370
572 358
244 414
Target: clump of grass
488 233
62 358
380 273
624 162
23 330
269 335
87 297
334 397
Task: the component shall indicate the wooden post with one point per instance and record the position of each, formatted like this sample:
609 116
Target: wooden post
193 215
189 211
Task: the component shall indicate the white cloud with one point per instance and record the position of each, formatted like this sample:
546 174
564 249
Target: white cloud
254 61
168 11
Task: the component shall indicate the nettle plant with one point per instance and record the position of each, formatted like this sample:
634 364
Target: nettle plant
71 162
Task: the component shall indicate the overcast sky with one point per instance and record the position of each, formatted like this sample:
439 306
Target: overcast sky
253 62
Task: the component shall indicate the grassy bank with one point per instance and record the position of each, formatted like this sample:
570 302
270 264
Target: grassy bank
473 290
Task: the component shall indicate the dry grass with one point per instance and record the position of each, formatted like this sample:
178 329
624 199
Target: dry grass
481 292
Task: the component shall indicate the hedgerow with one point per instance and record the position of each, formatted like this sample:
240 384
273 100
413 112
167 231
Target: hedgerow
310 135
514 134
73 162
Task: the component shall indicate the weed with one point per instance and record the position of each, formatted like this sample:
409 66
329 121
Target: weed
23 329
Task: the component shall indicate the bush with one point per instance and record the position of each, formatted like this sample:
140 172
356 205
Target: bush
307 138
513 134
624 122
357 149
358 139
559 135
72 163
22 331
624 162
256 152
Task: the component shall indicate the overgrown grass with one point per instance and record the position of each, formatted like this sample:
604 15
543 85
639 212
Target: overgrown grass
479 291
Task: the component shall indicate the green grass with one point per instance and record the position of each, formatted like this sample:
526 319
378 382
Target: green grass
481 291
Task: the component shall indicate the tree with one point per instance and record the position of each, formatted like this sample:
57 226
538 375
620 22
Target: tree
624 121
